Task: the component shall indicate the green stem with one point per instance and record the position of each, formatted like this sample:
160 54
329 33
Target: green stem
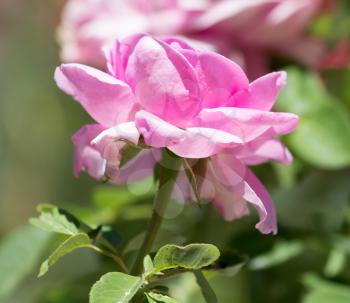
168 171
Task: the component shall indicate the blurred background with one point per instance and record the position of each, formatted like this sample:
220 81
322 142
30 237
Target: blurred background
308 261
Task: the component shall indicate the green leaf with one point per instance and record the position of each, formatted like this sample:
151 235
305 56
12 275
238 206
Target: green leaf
229 263
282 252
158 298
323 134
206 289
20 252
115 287
72 243
103 235
58 220
335 263
192 256
323 291
148 265
52 220
337 258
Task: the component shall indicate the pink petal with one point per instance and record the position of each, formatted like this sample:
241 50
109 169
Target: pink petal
227 200
157 132
260 198
163 80
114 61
86 157
117 54
107 99
233 178
262 93
247 124
121 132
110 144
201 142
180 44
218 77
261 151
194 142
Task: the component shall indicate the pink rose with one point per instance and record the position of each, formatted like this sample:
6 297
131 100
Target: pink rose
247 31
163 93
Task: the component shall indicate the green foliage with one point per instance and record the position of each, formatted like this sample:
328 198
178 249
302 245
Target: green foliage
318 203
323 134
115 287
52 220
119 286
322 291
192 256
326 297
281 252
335 263
20 252
56 220
72 243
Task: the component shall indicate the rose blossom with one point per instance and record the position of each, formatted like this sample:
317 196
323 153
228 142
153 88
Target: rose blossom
246 30
163 93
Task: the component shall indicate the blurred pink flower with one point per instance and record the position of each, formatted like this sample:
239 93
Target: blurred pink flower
253 30
163 93
247 31
87 25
